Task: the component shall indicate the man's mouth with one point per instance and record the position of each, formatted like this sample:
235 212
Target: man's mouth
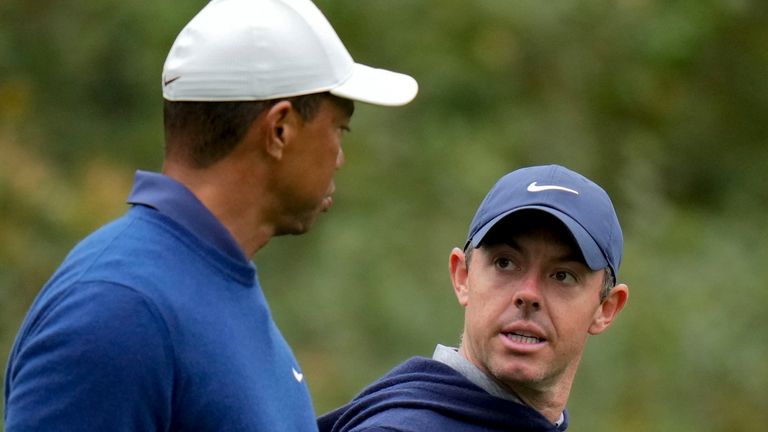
524 338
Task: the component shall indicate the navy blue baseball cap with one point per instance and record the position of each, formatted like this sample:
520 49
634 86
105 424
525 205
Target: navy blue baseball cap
580 204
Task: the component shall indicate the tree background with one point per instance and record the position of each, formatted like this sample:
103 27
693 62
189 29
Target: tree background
664 103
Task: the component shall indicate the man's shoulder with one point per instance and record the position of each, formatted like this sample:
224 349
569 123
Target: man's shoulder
424 394
421 368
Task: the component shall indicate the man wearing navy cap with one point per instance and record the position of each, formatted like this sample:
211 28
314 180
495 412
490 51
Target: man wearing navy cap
537 276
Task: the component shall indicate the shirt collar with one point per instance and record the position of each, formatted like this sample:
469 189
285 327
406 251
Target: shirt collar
174 200
453 358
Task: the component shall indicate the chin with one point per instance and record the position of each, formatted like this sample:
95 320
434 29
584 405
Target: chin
292 230
297 223
299 227
517 373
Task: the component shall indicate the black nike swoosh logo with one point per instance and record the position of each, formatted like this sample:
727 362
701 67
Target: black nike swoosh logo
171 80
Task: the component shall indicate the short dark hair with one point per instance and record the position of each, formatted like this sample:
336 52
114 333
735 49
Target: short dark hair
202 133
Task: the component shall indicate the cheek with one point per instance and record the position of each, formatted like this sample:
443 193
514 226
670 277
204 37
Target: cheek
320 165
330 154
573 320
335 150
486 293
486 308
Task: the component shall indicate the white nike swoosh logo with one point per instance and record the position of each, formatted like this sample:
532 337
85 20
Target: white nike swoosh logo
533 187
298 375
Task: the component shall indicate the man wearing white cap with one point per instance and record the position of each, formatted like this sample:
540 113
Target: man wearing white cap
157 322
536 277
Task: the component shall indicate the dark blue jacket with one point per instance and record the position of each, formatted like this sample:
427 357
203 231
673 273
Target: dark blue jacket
426 395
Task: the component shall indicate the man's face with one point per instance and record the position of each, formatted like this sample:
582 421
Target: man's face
530 302
310 162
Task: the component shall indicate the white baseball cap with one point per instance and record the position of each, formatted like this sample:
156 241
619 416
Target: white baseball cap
239 50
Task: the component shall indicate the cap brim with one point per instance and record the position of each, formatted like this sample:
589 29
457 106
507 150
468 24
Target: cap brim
377 86
589 249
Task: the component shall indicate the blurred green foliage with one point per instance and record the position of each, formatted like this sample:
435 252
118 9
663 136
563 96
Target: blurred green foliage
664 103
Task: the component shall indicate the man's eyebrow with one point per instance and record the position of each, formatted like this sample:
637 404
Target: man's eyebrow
508 243
573 255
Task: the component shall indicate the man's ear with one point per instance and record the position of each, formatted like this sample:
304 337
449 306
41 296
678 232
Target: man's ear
457 266
279 127
609 308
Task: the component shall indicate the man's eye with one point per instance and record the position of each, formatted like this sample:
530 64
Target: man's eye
503 263
564 276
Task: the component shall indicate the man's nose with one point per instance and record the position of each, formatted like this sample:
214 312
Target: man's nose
340 159
528 294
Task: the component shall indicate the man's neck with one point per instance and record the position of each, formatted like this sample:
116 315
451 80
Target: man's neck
549 404
227 198
459 362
